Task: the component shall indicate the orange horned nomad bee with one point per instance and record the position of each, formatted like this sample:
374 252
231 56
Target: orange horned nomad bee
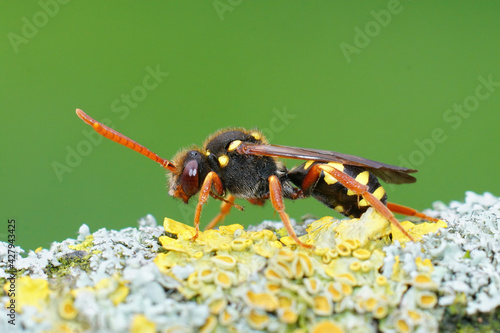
236 163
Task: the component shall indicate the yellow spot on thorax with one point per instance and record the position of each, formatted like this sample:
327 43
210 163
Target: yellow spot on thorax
233 145
256 135
223 160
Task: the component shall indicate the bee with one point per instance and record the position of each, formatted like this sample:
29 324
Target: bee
236 163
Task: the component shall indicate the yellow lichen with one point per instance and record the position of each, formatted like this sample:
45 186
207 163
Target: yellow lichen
217 305
298 271
355 266
257 319
381 280
322 305
335 291
396 270
194 282
347 255
273 287
370 303
209 325
424 281
67 309
380 311
285 302
141 324
30 292
171 244
417 231
347 277
85 245
285 269
427 299
177 228
206 275
226 318
312 285
353 244
285 255
272 274
361 254
288 316
414 315
229 229
119 294
371 227
241 244
329 255
327 327
402 325
223 279
198 255
346 288
224 261
264 301
320 251
424 265
343 249
306 264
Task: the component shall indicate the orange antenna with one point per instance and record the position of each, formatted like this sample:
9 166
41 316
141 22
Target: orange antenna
123 140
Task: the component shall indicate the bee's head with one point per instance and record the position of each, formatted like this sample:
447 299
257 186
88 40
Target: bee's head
191 168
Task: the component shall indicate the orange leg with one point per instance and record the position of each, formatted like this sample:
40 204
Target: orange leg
210 179
225 208
403 210
362 190
276 195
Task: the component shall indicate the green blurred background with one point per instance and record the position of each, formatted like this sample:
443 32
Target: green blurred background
376 79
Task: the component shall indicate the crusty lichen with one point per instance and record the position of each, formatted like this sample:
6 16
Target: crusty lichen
282 286
361 276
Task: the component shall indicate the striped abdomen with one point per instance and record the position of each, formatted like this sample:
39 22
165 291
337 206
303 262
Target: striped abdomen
335 195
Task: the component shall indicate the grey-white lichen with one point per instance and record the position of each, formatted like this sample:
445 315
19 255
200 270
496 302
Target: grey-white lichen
356 279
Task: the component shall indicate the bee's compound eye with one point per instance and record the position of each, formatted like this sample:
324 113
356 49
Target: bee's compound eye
190 179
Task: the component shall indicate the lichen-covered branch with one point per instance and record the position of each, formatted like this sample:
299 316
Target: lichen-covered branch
361 276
